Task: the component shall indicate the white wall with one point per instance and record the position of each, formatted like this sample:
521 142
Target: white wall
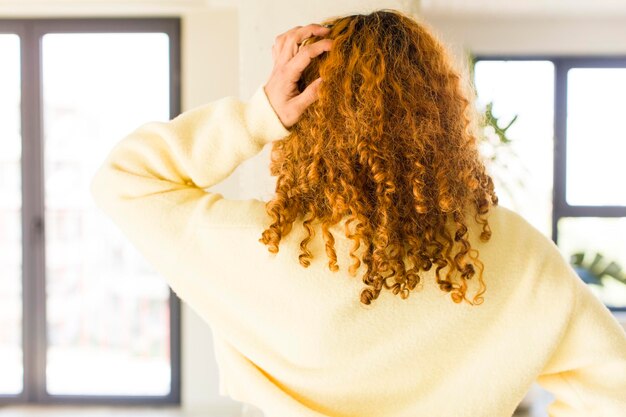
532 34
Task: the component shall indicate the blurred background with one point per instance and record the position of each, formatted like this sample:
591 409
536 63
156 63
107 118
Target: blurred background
87 328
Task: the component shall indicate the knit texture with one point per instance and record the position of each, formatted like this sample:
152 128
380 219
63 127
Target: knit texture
297 342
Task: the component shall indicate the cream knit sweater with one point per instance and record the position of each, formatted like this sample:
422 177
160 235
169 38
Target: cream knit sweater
297 342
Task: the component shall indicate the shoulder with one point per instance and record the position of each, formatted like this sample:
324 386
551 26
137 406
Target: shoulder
510 229
515 244
507 218
519 247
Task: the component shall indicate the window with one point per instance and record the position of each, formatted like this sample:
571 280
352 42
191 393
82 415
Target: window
568 141
83 318
10 207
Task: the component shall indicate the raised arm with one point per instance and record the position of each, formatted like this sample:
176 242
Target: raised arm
151 186
170 163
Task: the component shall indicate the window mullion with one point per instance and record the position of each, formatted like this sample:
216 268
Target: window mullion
560 143
34 300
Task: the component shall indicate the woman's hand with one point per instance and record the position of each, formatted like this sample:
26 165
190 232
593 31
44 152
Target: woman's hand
289 62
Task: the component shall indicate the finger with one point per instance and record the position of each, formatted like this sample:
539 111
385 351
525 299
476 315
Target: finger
289 46
305 55
280 40
307 97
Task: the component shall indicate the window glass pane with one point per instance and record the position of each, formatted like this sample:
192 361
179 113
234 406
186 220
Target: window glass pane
596 140
522 168
107 311
603 260
11 373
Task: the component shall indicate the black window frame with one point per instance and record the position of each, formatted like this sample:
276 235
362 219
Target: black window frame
34 338
562 64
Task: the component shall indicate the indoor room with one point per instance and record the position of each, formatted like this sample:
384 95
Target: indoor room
175 176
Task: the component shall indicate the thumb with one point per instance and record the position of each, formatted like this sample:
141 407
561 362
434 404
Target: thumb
308 96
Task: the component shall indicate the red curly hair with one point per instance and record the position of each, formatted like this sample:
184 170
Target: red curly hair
390 145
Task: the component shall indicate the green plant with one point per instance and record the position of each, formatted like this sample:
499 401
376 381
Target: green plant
493 122
597 269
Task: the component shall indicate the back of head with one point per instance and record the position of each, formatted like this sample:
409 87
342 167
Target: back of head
390 145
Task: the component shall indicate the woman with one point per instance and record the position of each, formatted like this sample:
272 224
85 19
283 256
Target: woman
375 153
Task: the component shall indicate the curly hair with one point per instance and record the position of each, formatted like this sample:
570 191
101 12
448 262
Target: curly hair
390 145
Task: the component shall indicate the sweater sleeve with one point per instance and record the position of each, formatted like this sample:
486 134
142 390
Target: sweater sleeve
586 373
151 185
